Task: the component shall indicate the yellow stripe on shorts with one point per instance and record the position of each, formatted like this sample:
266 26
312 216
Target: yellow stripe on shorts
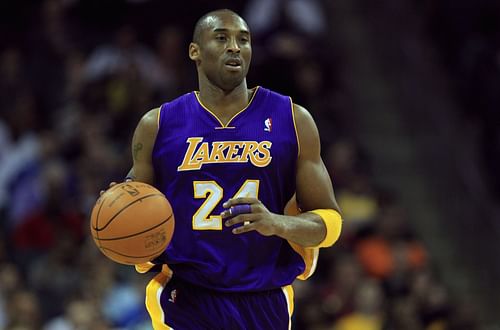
288 292
153 294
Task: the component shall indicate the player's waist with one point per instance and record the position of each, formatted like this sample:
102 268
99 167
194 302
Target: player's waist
253 280
180 281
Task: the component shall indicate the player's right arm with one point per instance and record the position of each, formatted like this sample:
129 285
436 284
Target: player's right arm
142 147
320 223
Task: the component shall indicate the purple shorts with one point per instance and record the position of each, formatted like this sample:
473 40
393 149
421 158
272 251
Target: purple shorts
176 304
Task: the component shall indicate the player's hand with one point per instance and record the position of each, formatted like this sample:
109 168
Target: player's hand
255 216
111 185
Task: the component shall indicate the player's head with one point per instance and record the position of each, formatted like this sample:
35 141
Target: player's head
221 48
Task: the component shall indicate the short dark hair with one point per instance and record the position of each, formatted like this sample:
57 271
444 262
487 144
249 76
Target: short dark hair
202 22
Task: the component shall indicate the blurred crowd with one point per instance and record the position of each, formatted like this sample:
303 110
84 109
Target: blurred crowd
467 36
76 76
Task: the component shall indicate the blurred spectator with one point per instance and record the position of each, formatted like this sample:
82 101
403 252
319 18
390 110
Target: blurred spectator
123 304
79 315
467 37
10 281
403 314
339 290
368 309
24 311
346 161
170 49
13 77
51 39
359 203
391 249
431 299
53 275
22 149
306 16
43 228
125 53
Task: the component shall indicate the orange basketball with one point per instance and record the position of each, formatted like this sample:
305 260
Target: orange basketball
132 223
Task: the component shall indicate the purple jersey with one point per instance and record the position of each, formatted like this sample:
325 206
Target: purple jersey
200 163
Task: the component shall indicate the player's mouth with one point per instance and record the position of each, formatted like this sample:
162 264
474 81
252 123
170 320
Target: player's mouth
233 64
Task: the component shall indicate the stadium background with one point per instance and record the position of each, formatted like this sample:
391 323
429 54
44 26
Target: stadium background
405 94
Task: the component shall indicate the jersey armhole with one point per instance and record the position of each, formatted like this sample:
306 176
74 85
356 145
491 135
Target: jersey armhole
159 116
295 127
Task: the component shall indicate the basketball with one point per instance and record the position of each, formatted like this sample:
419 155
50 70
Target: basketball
132 223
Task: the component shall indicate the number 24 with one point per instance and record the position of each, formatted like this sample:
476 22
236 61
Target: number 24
213 193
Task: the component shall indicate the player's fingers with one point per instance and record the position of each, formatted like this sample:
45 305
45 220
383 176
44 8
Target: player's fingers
245 228
236 210
242 218
110 185
240 200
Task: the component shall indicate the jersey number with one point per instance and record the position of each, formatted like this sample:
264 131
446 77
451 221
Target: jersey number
213 193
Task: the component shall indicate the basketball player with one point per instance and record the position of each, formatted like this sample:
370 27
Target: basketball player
229 158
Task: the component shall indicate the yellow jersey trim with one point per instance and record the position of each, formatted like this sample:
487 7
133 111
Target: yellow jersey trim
196 93
333 223
288 292
309 256
295 128
158 117
153 293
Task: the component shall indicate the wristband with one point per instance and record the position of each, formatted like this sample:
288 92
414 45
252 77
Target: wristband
333 224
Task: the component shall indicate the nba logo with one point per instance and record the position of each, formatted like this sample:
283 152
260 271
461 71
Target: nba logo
130 189
173 296
269 124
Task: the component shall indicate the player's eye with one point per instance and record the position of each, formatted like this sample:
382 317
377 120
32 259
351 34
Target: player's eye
220 37
244 39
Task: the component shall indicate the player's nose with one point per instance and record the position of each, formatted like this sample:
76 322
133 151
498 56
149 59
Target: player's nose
233 46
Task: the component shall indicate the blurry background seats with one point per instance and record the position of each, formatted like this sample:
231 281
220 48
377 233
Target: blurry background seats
405 95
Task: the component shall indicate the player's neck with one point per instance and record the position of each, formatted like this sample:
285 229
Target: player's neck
224 103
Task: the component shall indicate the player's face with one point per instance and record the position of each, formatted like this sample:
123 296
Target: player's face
225 51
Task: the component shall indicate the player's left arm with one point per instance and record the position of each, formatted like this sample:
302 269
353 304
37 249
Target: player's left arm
321 223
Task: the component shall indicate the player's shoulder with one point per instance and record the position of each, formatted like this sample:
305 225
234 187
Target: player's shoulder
307 129
303 118
176 110
179 102
151 119
301 112
275 100
298 109
272 93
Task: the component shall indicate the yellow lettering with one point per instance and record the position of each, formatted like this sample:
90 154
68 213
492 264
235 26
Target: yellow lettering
262 157
250 147
217 154
203 154
232 153
188 163
199 153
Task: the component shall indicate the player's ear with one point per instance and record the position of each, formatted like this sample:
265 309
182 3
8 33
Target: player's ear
194 51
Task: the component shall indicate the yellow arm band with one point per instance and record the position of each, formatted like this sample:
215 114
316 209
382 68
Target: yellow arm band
333 224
